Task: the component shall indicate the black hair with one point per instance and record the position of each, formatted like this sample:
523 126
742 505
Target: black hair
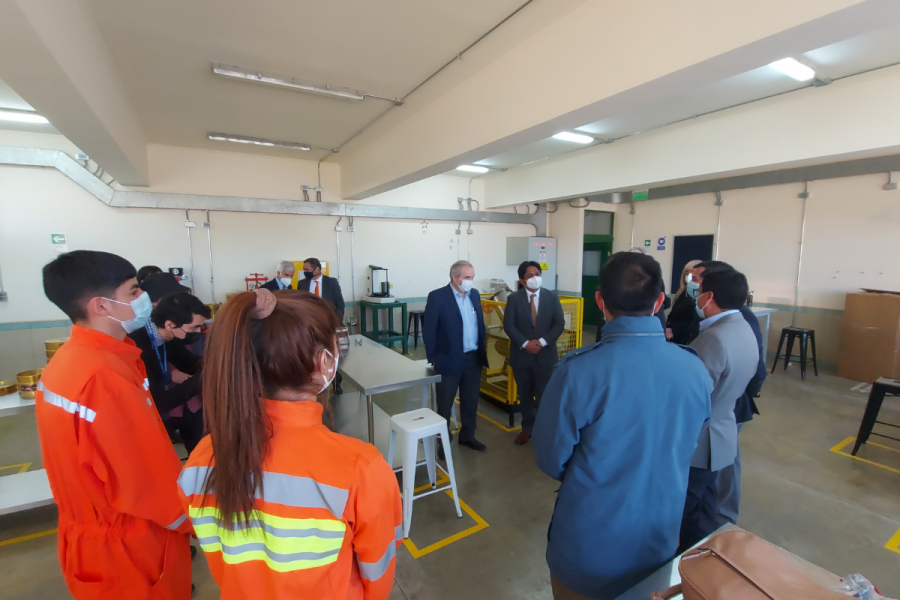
630 284
729 288
524 267
146 271
73 278
314 263
179 308
713 266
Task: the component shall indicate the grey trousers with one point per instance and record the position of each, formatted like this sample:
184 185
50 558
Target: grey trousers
729 489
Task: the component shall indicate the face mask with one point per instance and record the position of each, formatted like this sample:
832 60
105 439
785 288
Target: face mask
190 337
700 310
333 372
285 281
307 275
466 285
692 289
534 283
142 308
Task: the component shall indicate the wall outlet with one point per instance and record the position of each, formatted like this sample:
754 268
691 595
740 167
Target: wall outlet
338 228
351 229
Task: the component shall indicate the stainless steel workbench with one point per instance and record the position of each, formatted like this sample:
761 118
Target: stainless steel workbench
374 369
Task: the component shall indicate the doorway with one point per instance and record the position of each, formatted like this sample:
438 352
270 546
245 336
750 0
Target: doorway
595 255
686 248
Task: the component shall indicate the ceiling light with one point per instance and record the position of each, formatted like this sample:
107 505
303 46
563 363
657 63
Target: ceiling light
242 139
793 68
578 138
288 82
21 116
472 168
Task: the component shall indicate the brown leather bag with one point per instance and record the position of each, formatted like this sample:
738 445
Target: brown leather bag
737 565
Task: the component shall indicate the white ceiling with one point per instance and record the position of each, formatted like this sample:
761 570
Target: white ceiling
163 51
876 49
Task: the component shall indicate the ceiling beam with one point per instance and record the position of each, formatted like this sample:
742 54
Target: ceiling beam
596 61
52 54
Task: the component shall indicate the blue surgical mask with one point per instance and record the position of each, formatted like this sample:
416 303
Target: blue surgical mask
466 285
142 308
700 310
692 288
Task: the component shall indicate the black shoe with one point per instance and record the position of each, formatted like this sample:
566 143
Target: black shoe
473 444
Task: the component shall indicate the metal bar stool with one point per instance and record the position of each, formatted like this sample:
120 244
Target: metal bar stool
806 337
415 317
880 389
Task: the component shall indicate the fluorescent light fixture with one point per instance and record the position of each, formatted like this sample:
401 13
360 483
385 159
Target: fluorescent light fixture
472 168
21 116
793 69
242 139
578 138
288 82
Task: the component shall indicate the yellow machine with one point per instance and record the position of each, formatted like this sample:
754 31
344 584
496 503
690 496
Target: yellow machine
298 268
497 382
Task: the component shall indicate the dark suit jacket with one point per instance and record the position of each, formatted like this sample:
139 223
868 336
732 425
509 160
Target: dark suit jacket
272 285
331 292
178 355
745 407
443 331
518 326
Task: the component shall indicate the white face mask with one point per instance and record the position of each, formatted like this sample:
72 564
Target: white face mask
466 285
142 308
286 281
534 283
333 371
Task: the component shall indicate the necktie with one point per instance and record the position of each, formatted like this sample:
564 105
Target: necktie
533 311
317 288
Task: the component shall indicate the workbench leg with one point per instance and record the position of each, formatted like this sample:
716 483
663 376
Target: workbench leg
390 312
362 319
370 410
375 324
405 331
426 396
873 406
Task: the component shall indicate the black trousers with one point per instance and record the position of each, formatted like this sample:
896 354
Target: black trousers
531 382
468 384
700 507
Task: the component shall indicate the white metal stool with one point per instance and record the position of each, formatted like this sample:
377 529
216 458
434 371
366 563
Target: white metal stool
421 424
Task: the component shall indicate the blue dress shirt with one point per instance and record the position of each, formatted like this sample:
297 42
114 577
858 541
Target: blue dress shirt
469 319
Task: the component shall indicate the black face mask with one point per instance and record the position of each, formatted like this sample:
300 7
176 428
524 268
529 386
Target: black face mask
307 275
189 337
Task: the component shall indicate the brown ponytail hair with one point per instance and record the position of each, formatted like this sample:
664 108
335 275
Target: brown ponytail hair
247 359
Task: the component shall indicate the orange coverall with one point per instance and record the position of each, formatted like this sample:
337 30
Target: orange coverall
328 523
123 533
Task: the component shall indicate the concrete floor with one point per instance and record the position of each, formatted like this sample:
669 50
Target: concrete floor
830 509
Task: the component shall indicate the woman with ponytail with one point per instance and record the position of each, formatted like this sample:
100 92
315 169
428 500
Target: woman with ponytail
283 507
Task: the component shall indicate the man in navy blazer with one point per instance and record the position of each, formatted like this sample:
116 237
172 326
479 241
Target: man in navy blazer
455 345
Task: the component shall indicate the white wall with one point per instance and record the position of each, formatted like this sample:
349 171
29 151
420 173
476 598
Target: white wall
567 226
36 202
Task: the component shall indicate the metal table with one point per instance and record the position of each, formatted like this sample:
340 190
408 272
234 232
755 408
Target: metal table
13 404
24 491
375 369
764 313
387 336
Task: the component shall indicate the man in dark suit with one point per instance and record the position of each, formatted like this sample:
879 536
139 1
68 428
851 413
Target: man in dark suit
455 344
282 279
174 323
533 321
323 286
328 289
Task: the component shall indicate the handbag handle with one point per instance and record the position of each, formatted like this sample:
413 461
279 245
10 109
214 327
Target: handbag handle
666 594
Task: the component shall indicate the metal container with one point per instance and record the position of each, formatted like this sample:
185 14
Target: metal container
53 345
28 382
8 387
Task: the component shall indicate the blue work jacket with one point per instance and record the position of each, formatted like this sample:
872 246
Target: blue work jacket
617 425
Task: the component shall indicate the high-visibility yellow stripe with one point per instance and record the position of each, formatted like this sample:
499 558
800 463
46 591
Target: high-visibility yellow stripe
285 544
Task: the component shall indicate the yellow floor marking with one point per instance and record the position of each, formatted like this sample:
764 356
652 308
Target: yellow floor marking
838 449
25 538
500 425
894 543
479 523
882 446
22 467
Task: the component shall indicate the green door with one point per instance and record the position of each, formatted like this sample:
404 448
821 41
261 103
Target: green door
595 256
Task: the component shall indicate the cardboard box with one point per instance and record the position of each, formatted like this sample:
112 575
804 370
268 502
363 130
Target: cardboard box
870 336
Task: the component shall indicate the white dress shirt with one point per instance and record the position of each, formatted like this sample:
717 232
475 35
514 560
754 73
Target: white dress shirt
312 285
537 302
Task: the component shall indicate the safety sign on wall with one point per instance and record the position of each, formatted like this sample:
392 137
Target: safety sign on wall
646 242
661 243
58 242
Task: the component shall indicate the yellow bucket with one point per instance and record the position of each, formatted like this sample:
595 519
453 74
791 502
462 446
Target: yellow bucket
28 382
8 387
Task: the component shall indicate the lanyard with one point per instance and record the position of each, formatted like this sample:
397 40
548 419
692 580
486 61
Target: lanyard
160 359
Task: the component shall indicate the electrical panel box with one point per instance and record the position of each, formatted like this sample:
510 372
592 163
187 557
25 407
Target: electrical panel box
541 250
